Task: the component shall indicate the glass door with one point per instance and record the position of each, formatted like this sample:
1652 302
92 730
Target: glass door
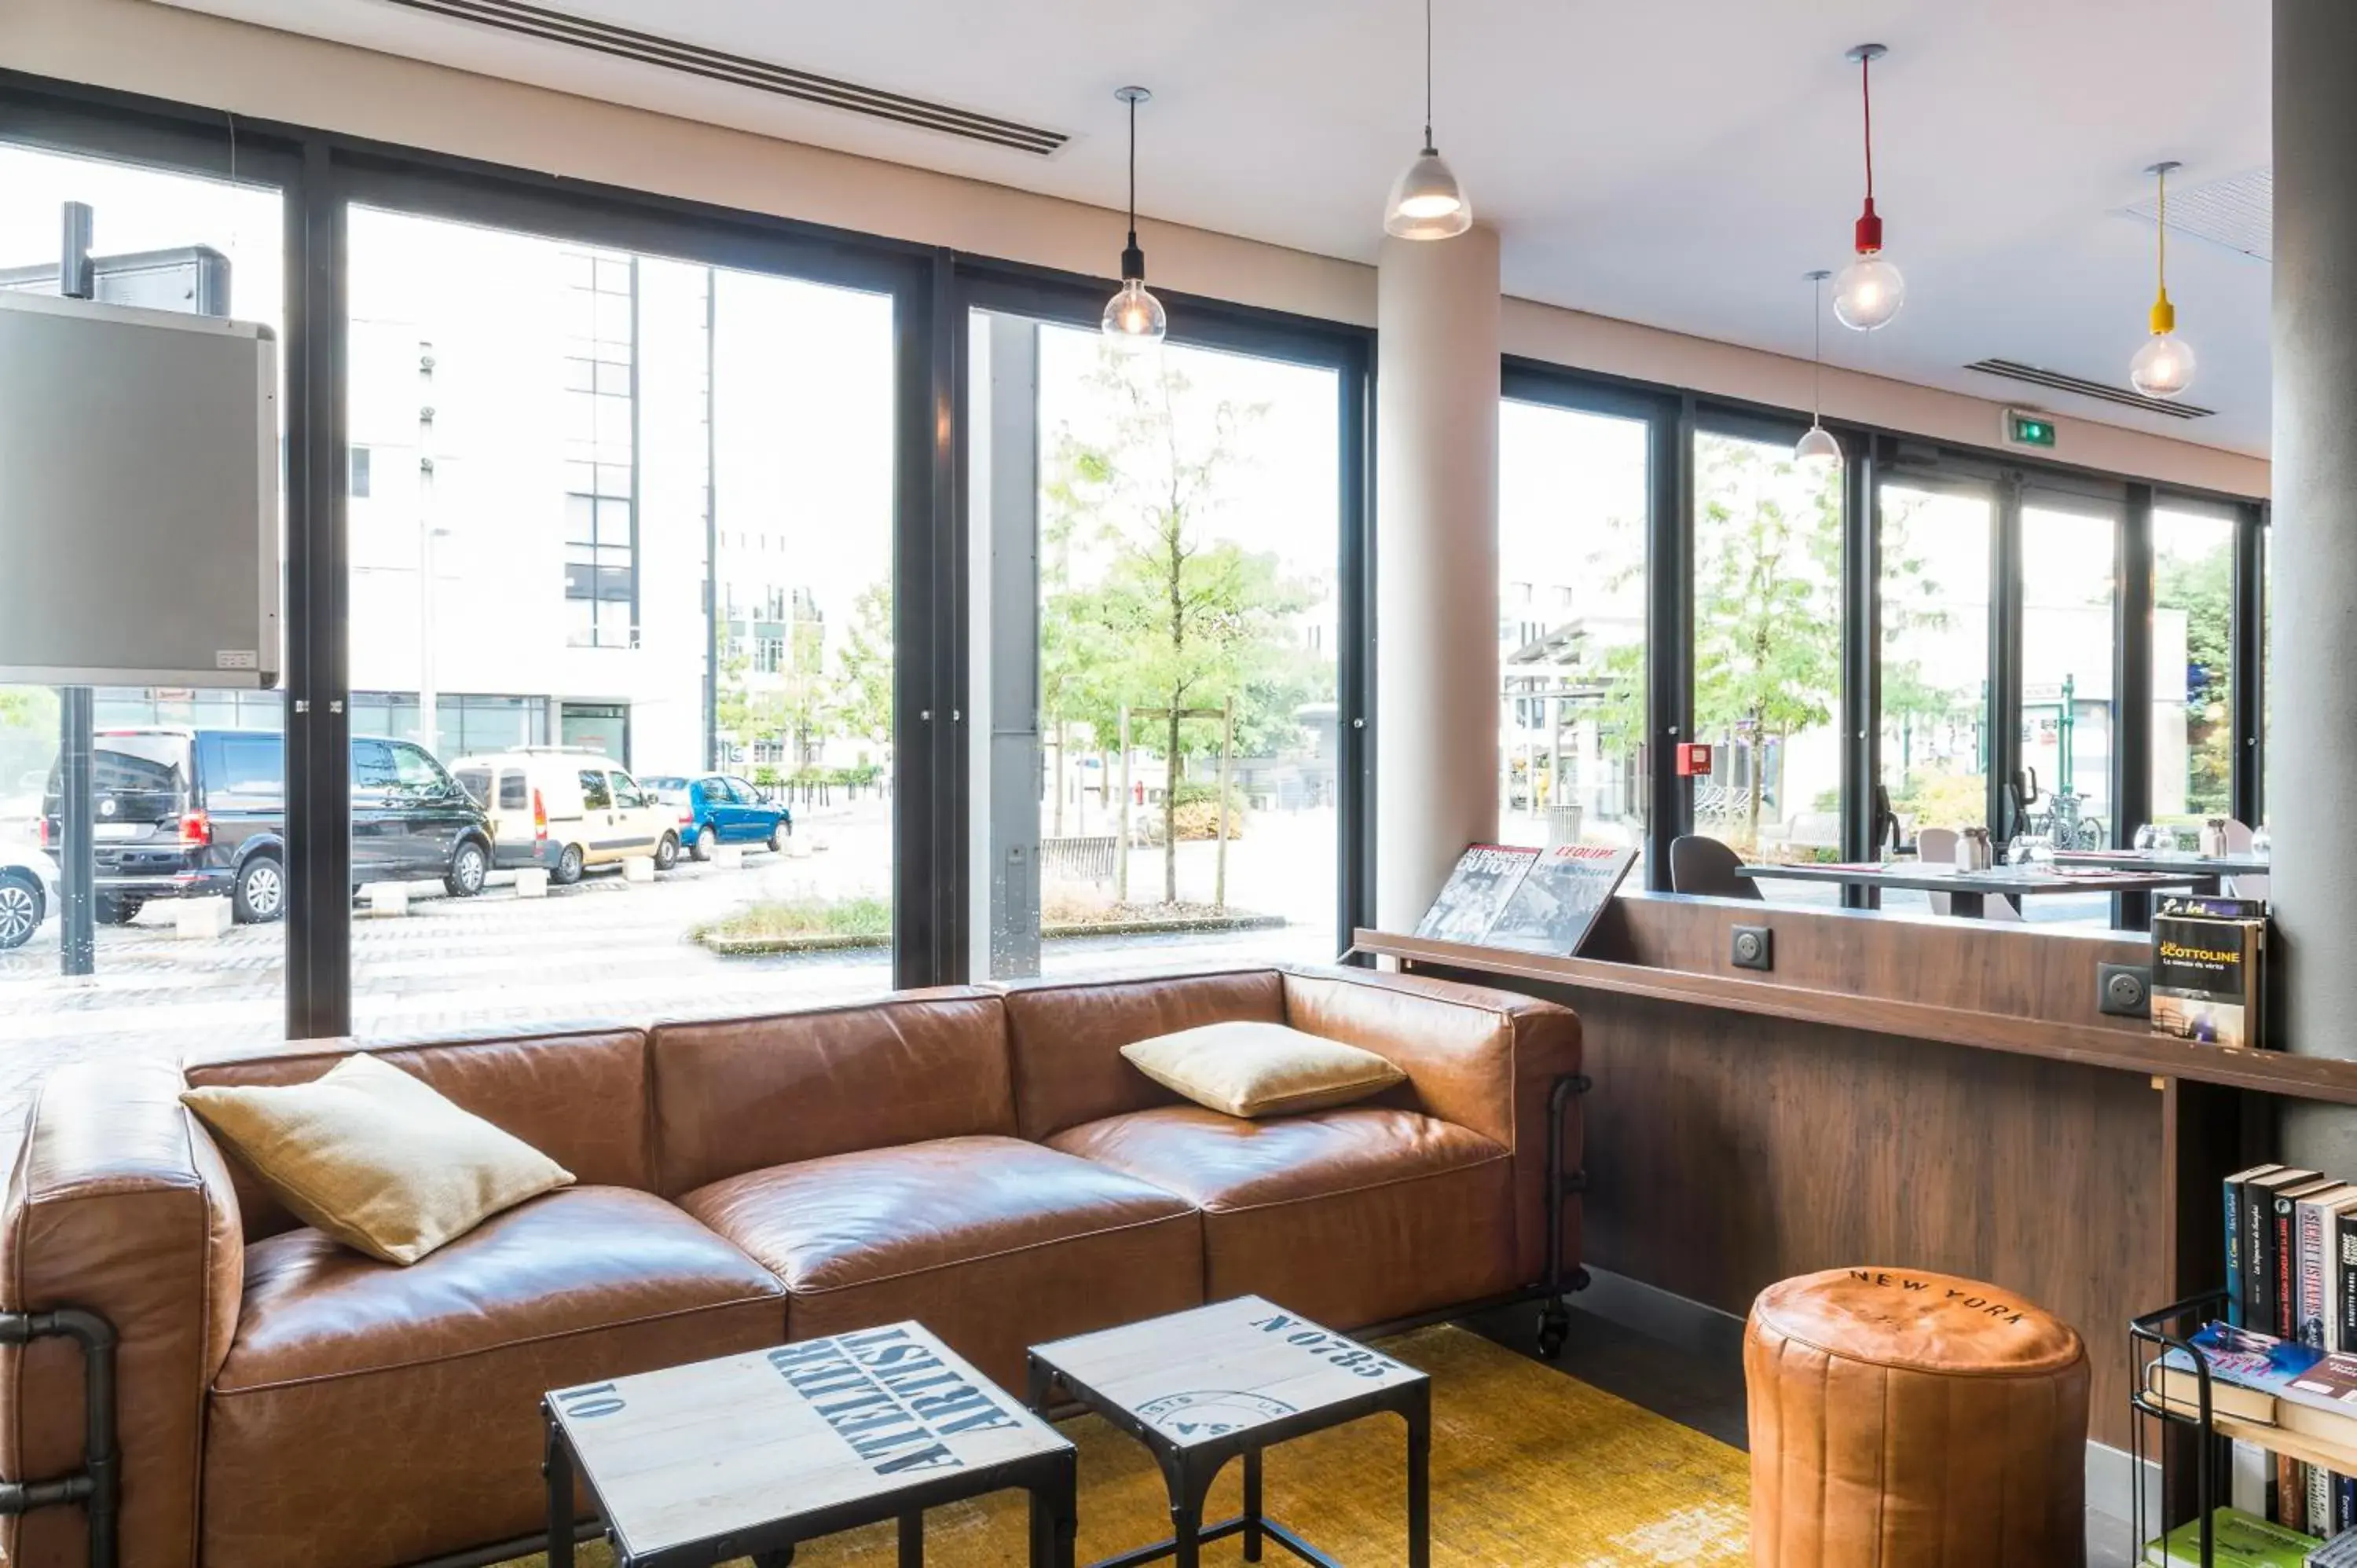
1156 649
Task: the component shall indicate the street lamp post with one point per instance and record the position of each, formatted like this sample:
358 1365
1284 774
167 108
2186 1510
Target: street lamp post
429 732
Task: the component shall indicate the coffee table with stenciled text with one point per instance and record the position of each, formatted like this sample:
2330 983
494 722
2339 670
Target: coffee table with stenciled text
745 1456
1202 1387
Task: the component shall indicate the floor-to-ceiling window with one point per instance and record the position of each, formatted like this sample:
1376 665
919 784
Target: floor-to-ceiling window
1768 650
1159 616
2070 614
2192 725
622 573
1932 605
187 799
1934 610
1573 492
2070 590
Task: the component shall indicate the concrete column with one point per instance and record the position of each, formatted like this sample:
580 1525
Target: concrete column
2311 786
1436 564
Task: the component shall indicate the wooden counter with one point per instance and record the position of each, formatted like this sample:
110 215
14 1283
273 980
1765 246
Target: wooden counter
1907 1092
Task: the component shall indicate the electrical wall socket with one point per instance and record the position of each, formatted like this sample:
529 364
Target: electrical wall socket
2124 990
1752 947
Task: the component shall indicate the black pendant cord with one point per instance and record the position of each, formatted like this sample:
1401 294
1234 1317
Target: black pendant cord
1817 351
1428 148
1133 259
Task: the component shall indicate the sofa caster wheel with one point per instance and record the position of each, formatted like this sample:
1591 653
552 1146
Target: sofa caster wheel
1555 1328
782 1557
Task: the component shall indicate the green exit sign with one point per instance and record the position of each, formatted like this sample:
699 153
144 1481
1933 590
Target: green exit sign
2024 427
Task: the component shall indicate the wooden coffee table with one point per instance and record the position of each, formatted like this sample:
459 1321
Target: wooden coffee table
747 1454
1199 1388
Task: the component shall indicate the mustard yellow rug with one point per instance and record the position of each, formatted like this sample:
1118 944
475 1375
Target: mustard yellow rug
1530 1469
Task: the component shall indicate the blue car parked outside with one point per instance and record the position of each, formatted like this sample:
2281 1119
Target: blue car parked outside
717 809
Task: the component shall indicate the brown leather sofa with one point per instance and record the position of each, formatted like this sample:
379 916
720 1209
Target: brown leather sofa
983 1161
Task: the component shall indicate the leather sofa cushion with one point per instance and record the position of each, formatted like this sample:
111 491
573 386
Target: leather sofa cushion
1351 1217
747 1093
580 1099
428 1377
1487 1061
994 1243
1066 1041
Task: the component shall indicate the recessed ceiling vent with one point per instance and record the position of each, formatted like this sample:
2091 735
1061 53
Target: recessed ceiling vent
742 71
2056 380
2238 213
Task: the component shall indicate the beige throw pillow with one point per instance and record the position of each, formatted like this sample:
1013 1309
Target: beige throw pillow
1261 1069
376 1159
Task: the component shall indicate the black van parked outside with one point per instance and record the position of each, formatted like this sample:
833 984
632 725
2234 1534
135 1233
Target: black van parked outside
192 813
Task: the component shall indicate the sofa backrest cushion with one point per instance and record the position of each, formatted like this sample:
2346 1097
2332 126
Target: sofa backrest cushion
1067 1039
580 1099
741 1095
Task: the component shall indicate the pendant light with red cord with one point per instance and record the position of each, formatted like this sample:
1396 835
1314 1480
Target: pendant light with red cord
1870 290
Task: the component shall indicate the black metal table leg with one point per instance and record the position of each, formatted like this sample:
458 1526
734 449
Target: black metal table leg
1252 1505
1419 1477
1055 1514
913 1539
1967 905
557 1465
1188 1485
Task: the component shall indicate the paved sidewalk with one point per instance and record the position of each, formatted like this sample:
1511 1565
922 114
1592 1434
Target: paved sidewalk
604 952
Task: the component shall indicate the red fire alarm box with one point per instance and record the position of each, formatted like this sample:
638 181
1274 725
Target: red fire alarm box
1693 760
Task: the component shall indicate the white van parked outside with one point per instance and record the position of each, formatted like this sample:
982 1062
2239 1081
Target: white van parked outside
566 809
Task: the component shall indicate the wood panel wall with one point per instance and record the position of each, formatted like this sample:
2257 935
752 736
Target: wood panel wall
1726 1150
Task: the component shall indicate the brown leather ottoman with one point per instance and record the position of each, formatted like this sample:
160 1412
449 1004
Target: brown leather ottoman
1902 1418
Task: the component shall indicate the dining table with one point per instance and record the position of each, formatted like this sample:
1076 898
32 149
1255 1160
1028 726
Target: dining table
2208 871
1969 891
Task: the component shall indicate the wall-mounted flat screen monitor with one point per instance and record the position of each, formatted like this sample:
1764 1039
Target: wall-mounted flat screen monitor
139 496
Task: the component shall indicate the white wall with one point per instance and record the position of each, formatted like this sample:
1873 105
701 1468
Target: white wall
139 47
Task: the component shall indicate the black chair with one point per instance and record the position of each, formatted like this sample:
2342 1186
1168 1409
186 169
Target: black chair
1705 866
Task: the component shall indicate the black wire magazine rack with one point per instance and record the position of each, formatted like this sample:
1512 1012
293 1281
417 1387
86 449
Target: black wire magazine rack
2151 1339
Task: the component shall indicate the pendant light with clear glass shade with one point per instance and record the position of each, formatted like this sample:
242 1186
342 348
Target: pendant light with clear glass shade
2163 367
1426 201
1134 319
1869 291
1818 444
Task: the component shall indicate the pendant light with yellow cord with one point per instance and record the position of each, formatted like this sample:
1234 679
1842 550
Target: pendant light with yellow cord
2163 367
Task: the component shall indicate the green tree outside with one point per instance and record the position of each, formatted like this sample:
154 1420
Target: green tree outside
1143 608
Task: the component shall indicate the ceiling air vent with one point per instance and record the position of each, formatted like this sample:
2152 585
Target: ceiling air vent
2014 370
649 49
2238 213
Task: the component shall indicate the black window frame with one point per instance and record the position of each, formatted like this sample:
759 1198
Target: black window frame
319 174
1874 457
1070 299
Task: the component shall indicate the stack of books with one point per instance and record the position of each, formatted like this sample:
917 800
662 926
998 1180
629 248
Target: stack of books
2286 1356
2208 970
2238 1539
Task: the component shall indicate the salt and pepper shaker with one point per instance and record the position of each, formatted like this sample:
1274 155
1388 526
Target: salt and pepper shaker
1973 851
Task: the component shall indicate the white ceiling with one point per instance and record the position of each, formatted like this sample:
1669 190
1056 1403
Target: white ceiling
1679 162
